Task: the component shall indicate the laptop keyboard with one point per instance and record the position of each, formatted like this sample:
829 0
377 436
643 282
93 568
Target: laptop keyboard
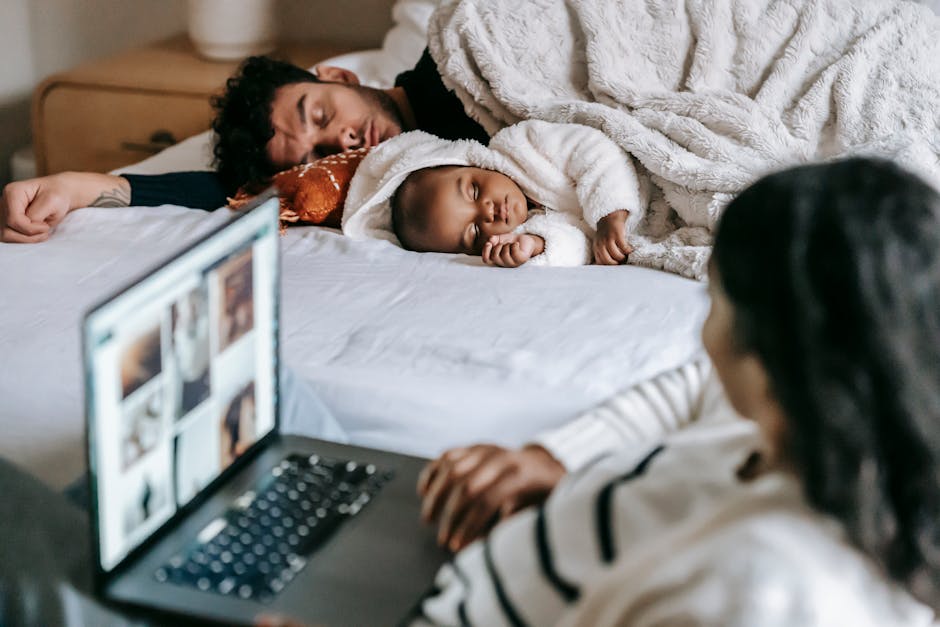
264 540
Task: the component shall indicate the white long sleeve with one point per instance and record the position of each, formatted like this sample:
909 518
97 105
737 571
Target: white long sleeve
566 242
574 169
640 415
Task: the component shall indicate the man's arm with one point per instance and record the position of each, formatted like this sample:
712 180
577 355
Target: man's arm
29 210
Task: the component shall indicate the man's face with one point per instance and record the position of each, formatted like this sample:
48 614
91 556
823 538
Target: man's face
313 120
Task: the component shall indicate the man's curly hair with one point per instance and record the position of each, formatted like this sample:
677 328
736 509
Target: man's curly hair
242 123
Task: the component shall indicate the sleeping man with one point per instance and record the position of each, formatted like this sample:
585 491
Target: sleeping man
540 193
739 90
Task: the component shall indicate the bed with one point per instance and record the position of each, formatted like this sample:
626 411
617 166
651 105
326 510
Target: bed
412 352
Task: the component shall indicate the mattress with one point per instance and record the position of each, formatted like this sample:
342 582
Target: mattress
412 352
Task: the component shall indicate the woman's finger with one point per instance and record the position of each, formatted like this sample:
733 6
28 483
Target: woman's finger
436 482
477 496
456 464
485 511
276 620
427 475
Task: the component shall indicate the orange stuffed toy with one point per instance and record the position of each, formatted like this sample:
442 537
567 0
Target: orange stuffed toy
312 193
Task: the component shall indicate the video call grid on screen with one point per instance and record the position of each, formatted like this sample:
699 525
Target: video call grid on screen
182 379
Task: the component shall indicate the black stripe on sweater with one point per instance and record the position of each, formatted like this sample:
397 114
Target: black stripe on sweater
547 562
512 617
462 606
605 525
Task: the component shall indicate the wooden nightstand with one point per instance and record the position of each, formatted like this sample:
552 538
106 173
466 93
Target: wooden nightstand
121 109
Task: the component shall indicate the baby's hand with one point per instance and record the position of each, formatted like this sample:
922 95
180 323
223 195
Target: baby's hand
510 250
610 242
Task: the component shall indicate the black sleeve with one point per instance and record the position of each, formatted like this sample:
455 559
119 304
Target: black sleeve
198 190
437 109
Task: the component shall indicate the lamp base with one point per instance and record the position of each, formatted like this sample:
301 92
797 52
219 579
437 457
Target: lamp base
228 30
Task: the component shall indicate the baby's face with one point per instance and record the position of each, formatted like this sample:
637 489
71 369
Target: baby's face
466 206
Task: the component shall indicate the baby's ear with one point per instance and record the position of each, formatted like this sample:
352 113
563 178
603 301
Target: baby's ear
333 74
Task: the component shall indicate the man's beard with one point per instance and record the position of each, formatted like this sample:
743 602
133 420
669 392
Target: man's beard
381 101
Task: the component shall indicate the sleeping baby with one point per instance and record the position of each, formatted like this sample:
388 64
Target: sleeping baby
540 193
462 209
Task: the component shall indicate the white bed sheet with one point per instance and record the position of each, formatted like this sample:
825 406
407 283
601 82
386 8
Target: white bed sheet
412 352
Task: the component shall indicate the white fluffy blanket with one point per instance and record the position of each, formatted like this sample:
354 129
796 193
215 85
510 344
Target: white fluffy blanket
705 95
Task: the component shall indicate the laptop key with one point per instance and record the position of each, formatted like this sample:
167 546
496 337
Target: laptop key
260 545
227 585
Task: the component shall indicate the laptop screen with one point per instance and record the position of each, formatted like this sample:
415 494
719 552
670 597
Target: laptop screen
180 379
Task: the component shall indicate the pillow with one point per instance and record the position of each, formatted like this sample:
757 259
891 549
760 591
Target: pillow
407 39
311 193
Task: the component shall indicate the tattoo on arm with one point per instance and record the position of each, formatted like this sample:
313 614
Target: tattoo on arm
117 197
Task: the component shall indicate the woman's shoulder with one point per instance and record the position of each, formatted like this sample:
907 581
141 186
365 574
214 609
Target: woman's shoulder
784 564
762 559
795 567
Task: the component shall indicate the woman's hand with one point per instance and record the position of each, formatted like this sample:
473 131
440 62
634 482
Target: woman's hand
470 489
610 242
510 250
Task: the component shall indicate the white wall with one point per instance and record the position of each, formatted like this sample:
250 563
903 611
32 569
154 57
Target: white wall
41 37
16 79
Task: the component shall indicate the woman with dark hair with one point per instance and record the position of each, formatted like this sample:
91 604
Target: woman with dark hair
823 508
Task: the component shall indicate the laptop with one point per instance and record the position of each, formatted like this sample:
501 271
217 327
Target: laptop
199 506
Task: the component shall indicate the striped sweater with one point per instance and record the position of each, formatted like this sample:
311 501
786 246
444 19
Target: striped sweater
666 534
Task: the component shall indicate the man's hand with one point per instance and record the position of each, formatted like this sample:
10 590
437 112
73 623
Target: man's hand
610 242
469 489
31 209
510 250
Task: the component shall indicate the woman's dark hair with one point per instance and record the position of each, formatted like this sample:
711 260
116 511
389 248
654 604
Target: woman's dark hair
242 123
833 272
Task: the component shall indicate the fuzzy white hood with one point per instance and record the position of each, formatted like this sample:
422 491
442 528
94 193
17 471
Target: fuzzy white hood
367 213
